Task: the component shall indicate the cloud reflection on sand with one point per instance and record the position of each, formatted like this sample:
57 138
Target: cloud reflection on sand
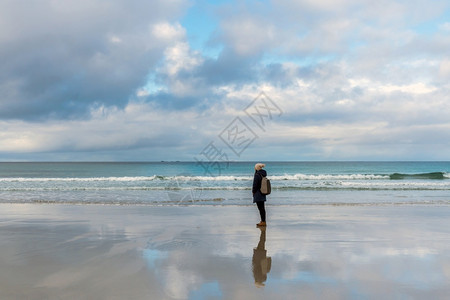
325 252
56 252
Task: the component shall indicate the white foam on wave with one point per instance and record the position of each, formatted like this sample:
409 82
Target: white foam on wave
330 177
81 179
211 178
224 178
399 184
295 177
129 179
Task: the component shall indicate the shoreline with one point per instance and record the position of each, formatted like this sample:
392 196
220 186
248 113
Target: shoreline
442 203
189 252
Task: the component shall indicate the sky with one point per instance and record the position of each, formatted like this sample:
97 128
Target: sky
155 80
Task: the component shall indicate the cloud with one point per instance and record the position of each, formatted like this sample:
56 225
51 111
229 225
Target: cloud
247 35
352 77
61 58
443 75
445 26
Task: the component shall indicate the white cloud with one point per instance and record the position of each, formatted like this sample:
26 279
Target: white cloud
416 88
142 92
413 88
180 58
445 26
329 5
115 39
139 125
248 36
168 32
444 68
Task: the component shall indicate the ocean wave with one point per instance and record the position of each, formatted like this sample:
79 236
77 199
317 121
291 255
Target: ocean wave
195 178
294 177
316 187
232 178
432 175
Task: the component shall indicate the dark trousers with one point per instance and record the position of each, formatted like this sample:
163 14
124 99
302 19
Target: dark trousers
262 210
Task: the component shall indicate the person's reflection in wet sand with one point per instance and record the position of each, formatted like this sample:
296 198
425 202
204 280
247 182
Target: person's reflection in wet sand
261 263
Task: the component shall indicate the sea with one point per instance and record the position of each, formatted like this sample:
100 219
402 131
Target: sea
225 183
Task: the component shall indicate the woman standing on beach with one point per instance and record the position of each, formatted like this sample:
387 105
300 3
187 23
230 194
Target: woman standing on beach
258 197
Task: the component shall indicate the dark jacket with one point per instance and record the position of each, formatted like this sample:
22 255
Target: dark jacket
256 190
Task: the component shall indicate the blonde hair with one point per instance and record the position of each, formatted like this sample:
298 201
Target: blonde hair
259 166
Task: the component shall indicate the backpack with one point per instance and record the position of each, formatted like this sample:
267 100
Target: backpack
265 186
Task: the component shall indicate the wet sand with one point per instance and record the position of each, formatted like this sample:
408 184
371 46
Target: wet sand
214 252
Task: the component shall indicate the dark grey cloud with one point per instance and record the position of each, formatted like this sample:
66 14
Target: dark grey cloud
229 68
169 101
59 58
203 80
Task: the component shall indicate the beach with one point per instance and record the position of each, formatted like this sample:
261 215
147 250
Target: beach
64 251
